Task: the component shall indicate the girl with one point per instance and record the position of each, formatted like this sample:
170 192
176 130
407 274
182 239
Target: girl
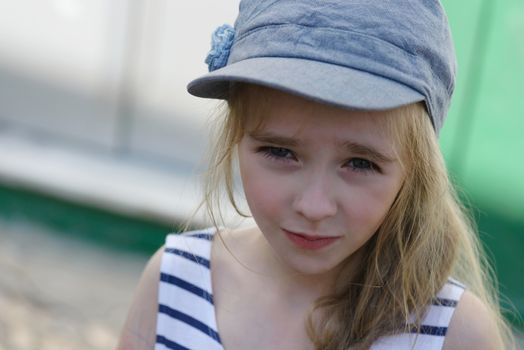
334 108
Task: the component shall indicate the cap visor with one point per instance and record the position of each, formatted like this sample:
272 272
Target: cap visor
322 82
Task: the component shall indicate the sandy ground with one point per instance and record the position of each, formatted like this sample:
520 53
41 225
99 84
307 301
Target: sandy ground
60 293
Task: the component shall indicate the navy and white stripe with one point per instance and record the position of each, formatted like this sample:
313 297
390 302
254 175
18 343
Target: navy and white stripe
186 313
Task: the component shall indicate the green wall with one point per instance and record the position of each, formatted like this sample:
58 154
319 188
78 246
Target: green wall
483 139
113 230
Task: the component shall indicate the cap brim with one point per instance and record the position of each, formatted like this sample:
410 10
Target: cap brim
323 82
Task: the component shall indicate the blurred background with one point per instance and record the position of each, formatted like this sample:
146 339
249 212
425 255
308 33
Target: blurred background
101 149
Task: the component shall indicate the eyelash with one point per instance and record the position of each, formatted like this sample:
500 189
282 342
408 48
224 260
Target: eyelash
271 152
371 167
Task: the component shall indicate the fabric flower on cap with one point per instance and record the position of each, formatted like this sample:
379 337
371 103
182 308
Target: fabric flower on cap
221 42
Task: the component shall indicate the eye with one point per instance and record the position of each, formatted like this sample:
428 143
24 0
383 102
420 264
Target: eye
363 165
278 153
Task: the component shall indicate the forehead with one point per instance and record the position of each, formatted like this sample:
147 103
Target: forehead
280 112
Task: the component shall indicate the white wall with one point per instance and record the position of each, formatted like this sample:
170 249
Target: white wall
67 66
93 101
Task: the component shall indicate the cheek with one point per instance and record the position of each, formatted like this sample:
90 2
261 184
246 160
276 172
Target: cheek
262 195
368 208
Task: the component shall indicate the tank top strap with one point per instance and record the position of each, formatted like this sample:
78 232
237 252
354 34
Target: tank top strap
186 314
435 323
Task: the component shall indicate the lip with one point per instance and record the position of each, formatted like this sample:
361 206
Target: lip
310 242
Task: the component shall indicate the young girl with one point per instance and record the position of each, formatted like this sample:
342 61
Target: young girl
334 109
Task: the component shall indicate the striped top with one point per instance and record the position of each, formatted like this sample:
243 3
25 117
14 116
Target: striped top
186 314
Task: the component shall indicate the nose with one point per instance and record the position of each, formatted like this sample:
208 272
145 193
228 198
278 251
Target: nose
315 200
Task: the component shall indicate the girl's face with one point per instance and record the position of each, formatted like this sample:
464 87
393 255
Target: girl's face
318 179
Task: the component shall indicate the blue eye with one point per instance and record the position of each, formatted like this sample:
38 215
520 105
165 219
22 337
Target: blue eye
360 164
277 153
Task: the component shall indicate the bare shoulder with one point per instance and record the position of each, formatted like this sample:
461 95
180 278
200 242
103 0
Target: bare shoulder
139 331
472 326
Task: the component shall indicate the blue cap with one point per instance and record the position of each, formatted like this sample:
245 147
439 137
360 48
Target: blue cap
370 55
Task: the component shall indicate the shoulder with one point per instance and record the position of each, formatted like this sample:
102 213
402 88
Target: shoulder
140 327
473 326
139 331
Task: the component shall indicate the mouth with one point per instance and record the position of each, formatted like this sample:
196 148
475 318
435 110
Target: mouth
310 242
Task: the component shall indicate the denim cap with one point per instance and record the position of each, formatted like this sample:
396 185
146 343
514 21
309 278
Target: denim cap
369 55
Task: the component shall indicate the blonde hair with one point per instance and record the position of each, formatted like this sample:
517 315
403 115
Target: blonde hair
425 238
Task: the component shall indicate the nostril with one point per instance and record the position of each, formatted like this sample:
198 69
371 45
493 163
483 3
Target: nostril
315 208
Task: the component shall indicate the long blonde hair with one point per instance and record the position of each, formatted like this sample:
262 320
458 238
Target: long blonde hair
425 238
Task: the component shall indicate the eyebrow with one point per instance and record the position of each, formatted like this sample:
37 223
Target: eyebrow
351 146
275 139
358 148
